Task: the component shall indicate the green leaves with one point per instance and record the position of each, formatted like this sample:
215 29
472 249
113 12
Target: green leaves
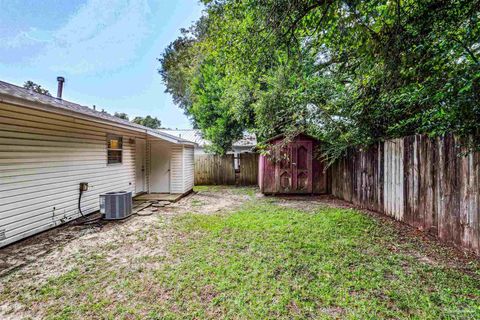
148 121
36 88
349 72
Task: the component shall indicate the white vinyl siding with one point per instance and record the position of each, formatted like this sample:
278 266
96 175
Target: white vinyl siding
176 169
44 157
181 169
189 168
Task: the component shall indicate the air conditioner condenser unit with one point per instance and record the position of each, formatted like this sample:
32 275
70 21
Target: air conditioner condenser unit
116 205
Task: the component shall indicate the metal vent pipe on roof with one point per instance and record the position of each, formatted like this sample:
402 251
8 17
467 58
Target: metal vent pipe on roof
60 81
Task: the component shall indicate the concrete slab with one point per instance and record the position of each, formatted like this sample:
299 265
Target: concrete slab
159 197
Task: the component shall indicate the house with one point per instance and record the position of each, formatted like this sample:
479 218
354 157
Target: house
292 167
48 146
244 145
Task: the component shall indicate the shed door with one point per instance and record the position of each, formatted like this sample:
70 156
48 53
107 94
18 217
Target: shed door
283 170
293 170
160 155
302 166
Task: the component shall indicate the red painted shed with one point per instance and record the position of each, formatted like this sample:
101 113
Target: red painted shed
292 167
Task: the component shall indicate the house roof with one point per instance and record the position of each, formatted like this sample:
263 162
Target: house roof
187 134
14 94
195 135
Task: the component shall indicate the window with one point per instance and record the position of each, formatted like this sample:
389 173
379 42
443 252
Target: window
114 149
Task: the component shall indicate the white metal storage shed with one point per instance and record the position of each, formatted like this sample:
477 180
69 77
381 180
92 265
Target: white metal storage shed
49 145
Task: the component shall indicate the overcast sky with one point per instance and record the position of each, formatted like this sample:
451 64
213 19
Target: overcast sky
106 50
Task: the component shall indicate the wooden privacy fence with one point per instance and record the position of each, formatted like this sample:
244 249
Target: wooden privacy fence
220 170
421 181
248 174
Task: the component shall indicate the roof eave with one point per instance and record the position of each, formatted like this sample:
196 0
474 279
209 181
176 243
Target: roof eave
49 108
169 138
8 99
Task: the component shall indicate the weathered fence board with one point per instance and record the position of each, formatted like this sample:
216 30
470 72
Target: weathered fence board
421 181
219 170
393 183
358 176
248 169
214 169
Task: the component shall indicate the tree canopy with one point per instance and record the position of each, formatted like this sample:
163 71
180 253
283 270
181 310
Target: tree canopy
121 115
349 72
36 87
148 121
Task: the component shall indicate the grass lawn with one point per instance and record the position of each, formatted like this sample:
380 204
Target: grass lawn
269 262
266 261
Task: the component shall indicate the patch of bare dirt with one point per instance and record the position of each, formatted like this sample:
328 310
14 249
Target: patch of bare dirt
136 242
141 241
58 244
208 202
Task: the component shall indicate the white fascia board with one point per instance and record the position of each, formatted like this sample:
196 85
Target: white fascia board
7 99
162 137
65 112
169 138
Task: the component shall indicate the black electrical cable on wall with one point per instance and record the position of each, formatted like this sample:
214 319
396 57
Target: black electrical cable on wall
79 200
91 221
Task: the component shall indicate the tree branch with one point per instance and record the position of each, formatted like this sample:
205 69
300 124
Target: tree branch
302 15
467 49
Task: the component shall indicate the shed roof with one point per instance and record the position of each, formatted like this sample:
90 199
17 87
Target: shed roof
10 93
